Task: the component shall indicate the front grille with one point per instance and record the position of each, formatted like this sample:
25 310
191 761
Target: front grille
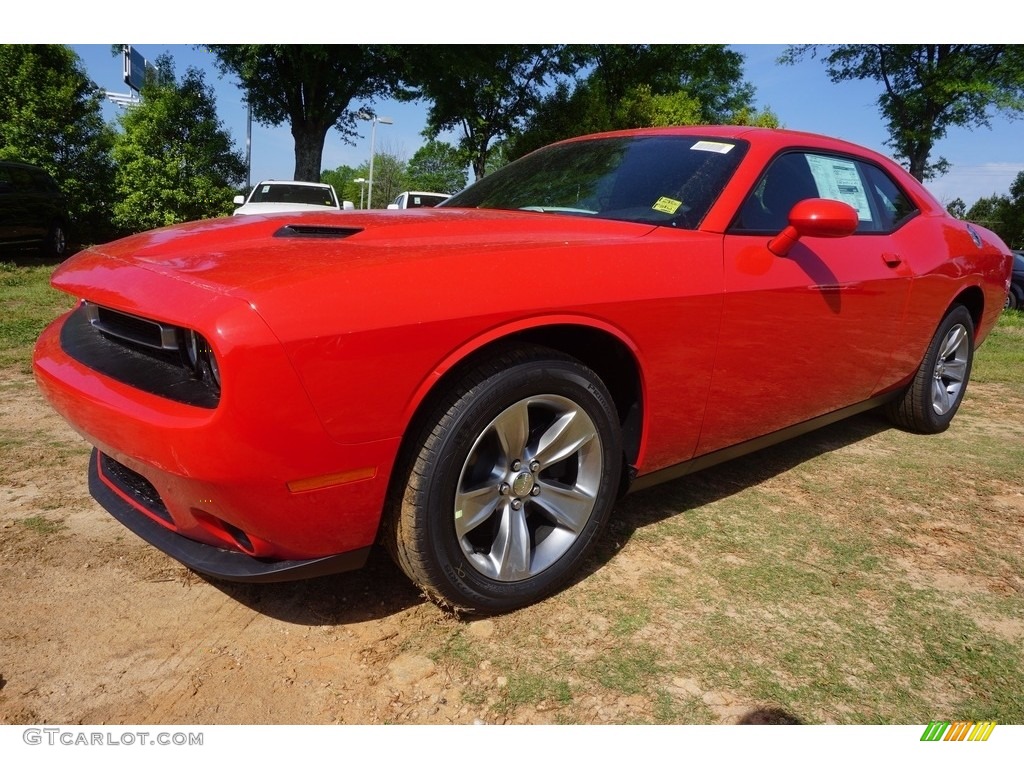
138 330
134 486
158 368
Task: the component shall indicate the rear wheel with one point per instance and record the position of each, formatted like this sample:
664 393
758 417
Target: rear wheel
511 480
931 401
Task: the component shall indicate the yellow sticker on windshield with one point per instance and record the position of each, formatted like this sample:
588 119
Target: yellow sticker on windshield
667 205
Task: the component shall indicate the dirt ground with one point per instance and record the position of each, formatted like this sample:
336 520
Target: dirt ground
96 627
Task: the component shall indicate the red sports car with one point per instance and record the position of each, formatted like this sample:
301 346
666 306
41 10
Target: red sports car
476 384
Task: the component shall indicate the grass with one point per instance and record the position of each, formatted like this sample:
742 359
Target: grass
855 575
1000 358
42 525
27 305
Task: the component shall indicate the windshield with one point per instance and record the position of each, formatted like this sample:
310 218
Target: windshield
293 193
663 180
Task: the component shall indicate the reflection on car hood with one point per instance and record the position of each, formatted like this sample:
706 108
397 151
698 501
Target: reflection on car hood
235 254
250 209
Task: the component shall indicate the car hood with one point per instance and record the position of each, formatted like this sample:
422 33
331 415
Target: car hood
239 255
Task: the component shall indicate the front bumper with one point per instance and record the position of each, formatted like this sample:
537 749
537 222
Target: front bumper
230 565
252 489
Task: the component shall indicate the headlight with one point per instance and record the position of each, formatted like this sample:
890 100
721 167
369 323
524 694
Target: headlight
200 358
192 349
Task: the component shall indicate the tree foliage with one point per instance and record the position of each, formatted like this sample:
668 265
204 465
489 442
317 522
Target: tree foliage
175 161
310 87
637 86
1003 214
484 91
437 167
51 116
957 208
342 179
929 89
390 177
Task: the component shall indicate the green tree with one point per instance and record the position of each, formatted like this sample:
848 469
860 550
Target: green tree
437 167
175 161
310 87
1003 214
929 89
957 208
389 176
636 86
342 179
51 116
485 91
710 75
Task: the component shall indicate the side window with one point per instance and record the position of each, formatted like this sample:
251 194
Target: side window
894 206
41 182
797 176
21 180
839 178
787 182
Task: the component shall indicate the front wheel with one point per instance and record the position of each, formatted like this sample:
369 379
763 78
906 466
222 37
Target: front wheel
56 243
1014 298
933 397
511 480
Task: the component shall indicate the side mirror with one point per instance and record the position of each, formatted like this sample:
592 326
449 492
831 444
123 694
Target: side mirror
239 200
815 217
393 206
348 205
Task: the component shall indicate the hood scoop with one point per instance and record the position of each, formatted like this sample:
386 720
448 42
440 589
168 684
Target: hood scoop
317 231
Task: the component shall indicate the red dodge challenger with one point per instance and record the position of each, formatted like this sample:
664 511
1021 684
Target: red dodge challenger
477 384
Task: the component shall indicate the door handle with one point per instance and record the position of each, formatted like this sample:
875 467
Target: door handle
892 259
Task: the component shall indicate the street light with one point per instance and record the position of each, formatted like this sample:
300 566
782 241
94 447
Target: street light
360 181
373 140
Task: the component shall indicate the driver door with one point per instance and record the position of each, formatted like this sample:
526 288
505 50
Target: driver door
811 332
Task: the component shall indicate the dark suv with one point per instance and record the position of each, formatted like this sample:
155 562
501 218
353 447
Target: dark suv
33 211
1015 298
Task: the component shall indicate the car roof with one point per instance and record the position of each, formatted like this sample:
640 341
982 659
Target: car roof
293 183
769 138
19 164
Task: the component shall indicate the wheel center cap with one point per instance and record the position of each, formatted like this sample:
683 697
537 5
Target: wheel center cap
523 484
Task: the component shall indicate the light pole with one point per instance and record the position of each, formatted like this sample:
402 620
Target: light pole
373 140
360 181
248 144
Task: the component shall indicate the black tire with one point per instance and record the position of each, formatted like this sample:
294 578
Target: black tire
931 401
1014 300
527 444
56 243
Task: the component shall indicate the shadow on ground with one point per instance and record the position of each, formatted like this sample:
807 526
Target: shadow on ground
691 492
376 591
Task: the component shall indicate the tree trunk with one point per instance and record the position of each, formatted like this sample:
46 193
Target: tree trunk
480 164
309 150
917 158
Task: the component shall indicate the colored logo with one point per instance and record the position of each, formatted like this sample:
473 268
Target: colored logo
961 730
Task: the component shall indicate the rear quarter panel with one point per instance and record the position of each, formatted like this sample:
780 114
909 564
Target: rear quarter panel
944 261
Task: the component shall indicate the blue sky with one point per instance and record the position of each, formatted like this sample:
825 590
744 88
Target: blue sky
984 161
